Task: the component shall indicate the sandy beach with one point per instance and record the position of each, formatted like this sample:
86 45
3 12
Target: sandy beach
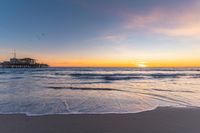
160 120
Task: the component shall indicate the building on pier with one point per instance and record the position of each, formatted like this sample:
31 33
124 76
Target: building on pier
22 63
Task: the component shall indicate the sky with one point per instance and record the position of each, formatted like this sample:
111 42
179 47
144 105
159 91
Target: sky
107 33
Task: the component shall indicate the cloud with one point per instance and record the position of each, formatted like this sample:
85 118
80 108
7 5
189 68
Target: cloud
115 38
188 30
183 22
133 21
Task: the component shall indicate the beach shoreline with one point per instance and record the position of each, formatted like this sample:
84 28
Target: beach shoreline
159 120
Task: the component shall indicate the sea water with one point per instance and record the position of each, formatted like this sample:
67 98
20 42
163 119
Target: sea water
43 91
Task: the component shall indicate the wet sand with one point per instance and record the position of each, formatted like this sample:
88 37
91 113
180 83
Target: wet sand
160 120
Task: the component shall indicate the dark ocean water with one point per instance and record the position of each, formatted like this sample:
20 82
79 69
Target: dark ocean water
97 90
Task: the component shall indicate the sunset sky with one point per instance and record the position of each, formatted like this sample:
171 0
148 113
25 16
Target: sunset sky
113 33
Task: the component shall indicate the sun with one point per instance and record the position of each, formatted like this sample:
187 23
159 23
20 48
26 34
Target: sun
141 64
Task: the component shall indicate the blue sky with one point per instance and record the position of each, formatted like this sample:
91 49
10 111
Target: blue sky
75 31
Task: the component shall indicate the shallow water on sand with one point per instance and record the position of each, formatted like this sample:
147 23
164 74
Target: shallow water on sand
97 90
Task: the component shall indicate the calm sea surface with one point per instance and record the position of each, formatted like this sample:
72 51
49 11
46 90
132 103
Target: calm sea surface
97 90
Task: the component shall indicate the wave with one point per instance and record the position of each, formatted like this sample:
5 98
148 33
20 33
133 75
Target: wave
100 82
84 88
44 77
126 76
187 91
165 75
166 98
82 113
2 72
107 76
60 74
117 76
120 78
16 77
196 76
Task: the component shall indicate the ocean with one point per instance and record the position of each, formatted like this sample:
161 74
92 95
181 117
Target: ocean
42 91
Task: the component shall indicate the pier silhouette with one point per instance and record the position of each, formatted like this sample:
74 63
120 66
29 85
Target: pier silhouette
22 63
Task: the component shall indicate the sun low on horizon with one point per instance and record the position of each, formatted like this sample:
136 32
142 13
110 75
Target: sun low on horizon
100 33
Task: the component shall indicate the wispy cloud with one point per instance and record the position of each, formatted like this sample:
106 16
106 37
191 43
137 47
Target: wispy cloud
183 22
133 21
115 37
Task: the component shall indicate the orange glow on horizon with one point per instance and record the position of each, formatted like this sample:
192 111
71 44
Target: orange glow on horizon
57 61
124 63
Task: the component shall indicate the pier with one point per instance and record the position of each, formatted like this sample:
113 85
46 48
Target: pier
22 63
